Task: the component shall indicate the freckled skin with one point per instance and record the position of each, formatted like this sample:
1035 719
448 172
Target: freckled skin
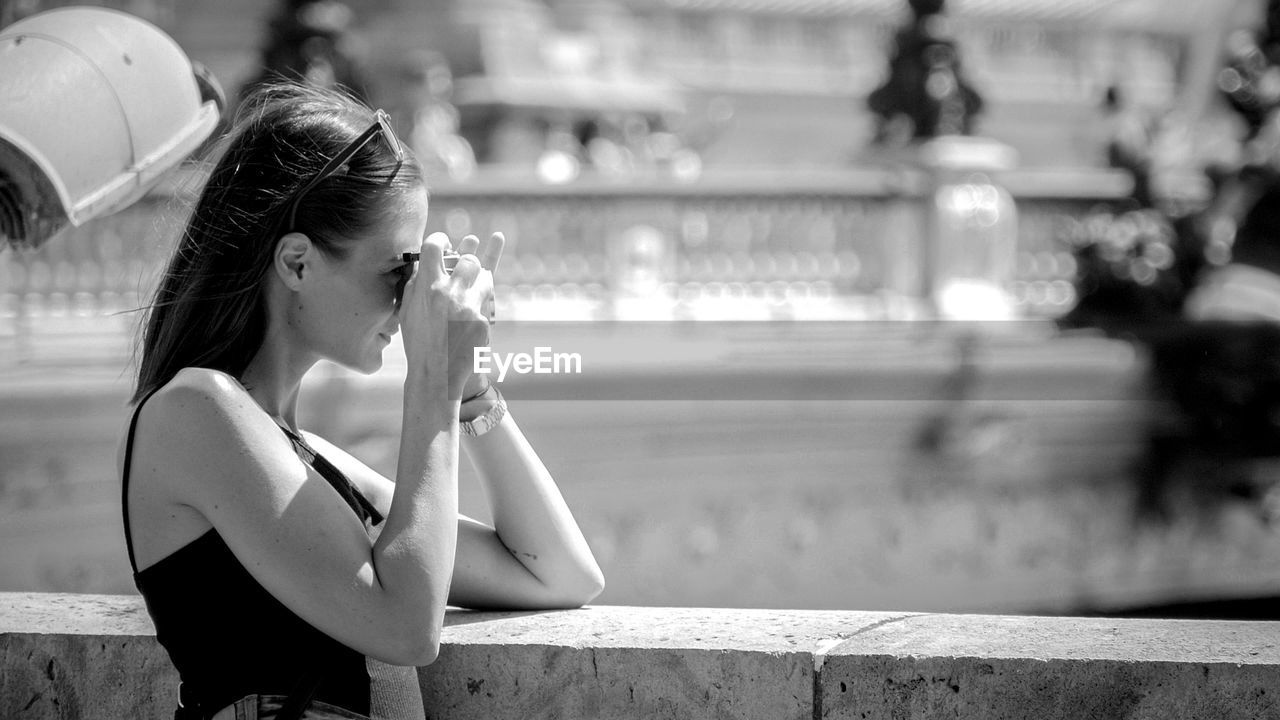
347 307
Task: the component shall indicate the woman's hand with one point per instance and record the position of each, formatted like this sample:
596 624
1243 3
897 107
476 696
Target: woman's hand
478 383
443 315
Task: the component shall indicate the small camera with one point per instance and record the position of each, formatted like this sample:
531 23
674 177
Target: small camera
447 262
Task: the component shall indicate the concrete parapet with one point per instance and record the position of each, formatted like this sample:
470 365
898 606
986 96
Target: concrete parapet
1005 668
95 656
617 662
76 657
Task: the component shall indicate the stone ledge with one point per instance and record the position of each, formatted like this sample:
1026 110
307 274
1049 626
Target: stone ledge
95 656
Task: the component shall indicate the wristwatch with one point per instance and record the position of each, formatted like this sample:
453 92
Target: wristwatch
487 421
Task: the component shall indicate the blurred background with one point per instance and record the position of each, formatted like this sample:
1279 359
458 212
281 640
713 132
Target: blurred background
962 305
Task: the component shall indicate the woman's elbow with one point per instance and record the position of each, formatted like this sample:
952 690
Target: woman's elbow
418 652
410 648
594 587
583 591
426 654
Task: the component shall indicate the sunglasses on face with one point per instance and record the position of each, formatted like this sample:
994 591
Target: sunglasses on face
381 126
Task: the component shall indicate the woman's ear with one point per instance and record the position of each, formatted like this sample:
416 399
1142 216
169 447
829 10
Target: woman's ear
294 253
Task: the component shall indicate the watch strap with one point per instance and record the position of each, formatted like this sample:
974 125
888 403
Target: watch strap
488 420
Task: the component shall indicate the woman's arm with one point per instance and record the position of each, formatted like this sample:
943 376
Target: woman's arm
489 570
205 443
413 555
535 556
441 323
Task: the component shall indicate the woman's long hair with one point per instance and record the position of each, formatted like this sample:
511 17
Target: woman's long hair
209 309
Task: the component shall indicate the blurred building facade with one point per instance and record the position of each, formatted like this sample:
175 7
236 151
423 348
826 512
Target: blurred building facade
740 81
784 82
743 189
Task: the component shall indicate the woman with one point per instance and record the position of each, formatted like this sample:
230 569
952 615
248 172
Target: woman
272 562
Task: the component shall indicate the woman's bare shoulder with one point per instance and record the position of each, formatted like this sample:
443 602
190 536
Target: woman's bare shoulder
196 396
194 453
212 384
176 400
200 414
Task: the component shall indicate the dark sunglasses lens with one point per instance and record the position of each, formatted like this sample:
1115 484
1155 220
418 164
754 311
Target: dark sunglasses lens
406 272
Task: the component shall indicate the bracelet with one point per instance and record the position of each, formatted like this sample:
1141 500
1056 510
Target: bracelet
489 420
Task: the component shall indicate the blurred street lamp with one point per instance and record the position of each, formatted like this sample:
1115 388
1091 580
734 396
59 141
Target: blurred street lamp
926 94
972 226
926 110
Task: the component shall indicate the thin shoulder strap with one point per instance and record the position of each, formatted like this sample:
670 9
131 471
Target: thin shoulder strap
335 477
124 483
299 699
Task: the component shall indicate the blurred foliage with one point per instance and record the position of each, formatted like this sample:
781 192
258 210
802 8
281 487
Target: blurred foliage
1218 380
1219 376
1132 268
1139 265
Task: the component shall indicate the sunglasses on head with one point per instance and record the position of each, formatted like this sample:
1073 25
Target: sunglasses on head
381 125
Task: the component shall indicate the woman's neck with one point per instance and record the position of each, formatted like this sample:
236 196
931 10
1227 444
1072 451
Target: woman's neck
273 382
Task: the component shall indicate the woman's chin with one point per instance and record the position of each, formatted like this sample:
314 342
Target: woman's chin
367 364
368 359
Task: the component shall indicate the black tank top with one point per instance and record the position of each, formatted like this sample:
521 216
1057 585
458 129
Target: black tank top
226 635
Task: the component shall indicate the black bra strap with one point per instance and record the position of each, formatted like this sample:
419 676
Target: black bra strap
335 477
124 482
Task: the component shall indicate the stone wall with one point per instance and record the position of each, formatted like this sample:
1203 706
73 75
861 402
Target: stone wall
95 656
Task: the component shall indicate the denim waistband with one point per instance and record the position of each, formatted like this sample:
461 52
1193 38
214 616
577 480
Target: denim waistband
265 707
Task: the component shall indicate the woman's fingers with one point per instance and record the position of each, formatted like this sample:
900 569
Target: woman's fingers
473 271
428 272
482 288
432 261
469 245
493 251
467 270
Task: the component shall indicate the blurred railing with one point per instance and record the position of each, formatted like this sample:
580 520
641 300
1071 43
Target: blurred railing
783 464
815 243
